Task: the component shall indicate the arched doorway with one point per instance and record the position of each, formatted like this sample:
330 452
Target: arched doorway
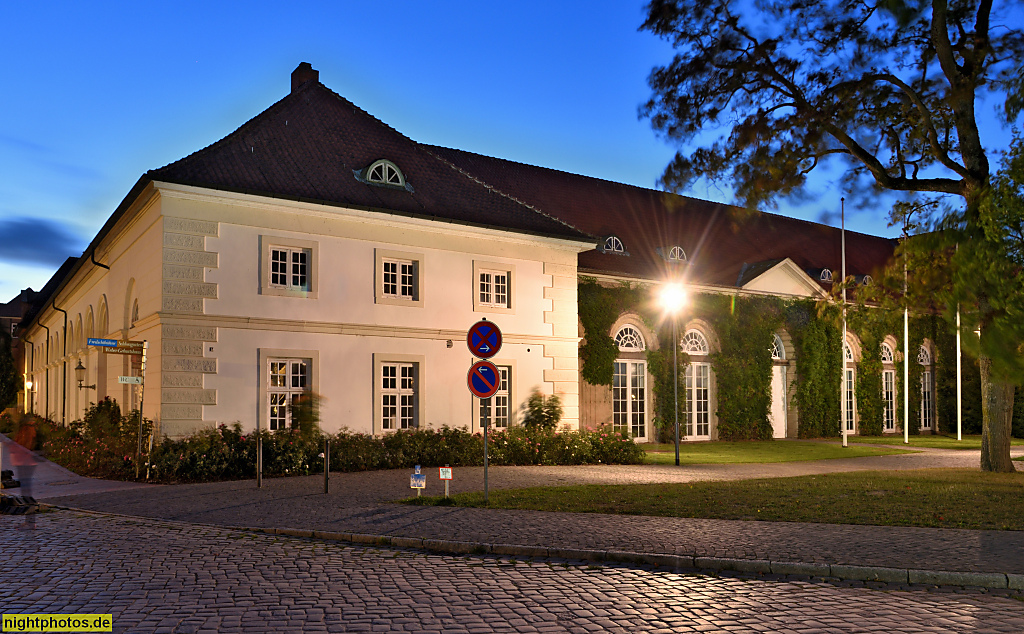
779 411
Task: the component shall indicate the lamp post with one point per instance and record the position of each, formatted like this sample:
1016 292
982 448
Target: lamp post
672 299
80 377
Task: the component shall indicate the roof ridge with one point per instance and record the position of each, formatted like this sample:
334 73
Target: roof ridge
658 191
494 189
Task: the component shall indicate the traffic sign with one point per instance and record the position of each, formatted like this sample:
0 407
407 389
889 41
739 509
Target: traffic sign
483 379
125 347
132 380
418 480
484 339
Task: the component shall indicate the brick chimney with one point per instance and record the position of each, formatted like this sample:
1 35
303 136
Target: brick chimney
303 73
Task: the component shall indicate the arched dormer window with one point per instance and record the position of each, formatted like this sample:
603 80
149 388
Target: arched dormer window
629 339
612 244
694 342
778 350
676 254
825 276
924 356
382 172
886 353
866 280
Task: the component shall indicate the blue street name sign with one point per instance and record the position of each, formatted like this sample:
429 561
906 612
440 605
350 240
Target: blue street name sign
484 339
103 343
483 379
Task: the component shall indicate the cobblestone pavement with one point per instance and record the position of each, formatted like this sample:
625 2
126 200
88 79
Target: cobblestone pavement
358 503
156 576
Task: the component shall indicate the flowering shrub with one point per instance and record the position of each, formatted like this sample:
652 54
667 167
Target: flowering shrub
225 453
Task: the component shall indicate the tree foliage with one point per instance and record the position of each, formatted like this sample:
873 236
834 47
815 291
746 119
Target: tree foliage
8 373
772 89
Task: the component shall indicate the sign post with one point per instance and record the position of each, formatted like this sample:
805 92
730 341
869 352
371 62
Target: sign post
132 348
484 340
445 474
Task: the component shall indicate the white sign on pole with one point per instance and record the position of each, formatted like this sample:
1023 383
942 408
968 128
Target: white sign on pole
131 380
445 473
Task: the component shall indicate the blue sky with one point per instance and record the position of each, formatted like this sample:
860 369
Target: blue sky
96 93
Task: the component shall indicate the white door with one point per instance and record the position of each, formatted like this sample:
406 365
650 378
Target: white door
778 411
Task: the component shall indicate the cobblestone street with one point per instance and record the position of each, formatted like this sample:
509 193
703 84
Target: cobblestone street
170 577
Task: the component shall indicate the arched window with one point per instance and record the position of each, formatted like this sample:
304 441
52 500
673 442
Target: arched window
629 339
384 172
886 353
826 275
849 402
694 342
676 254
135 313
924 356
778 350
612 244
848 352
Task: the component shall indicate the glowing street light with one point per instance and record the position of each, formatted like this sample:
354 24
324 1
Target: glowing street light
672 299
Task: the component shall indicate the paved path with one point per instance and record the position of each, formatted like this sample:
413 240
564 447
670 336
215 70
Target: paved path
359 503
159 577
49 479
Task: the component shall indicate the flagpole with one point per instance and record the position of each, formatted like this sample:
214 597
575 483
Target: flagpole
842 348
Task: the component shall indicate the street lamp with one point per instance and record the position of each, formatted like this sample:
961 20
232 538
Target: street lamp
80 377
672 299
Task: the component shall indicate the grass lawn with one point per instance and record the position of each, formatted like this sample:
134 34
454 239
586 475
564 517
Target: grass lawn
757 452
937 442
944 498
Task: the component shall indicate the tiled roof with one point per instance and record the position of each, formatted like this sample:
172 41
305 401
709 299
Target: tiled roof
308 145
719 240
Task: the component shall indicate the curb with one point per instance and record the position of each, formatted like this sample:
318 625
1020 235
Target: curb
988 580
840 572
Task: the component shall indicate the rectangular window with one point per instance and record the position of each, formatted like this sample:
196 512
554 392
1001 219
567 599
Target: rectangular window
502 411
629 399
698 400
398 278
889 400
288 379
398 396
850 401
494 289
288 267
927 400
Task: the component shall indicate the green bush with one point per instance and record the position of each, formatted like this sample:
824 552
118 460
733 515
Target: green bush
542 412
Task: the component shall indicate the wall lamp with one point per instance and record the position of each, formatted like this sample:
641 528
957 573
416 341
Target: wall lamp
80 377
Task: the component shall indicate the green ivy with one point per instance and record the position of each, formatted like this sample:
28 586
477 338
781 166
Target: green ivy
817 340
599 307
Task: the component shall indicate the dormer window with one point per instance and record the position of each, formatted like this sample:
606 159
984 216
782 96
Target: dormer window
676 254
383 172
866 280
826 275
612 244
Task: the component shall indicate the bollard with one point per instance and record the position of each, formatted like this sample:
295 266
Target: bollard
327 465
259 460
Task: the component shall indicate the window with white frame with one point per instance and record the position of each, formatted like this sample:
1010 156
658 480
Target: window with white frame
399 278
698 400
612 244
288 267
288 380
778 349
629 339
825 275
676 254
497 410
889 400
398 395
493 288
694 342
629 398
924 357
886 353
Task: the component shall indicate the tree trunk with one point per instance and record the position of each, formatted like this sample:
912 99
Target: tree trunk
997 415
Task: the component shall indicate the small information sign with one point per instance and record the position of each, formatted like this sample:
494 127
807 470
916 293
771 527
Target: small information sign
131 380
418 480
446 473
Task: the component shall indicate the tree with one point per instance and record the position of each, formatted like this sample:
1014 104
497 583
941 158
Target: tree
771 90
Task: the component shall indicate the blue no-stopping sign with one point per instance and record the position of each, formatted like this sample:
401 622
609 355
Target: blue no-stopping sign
484 339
